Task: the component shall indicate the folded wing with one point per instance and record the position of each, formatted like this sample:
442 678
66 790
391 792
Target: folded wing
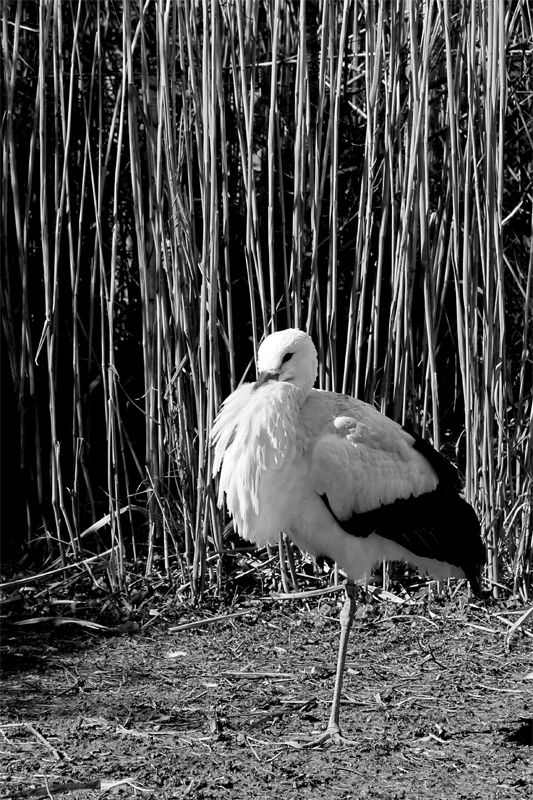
376 477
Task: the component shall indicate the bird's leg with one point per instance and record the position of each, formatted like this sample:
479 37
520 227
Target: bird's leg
333 732
346 621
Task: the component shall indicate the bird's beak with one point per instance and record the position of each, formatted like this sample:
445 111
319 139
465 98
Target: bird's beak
265 377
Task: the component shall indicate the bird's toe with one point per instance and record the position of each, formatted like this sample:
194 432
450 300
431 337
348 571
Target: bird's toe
332 735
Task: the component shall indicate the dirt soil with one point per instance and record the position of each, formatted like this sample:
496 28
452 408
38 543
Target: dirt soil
434 704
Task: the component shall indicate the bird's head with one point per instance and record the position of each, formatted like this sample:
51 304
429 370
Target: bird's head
288 356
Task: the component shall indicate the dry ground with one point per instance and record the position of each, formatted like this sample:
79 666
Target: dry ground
434 704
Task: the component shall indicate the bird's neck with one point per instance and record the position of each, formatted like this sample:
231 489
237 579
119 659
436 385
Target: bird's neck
294 395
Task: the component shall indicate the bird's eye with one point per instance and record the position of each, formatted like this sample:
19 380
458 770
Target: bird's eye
286 357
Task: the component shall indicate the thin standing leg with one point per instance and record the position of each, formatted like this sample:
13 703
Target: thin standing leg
333 731
346 621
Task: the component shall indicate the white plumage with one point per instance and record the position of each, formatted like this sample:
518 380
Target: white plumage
338 477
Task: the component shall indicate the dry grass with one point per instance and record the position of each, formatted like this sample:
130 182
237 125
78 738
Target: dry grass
180 178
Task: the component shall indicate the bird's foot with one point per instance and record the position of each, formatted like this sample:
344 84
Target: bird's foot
331 735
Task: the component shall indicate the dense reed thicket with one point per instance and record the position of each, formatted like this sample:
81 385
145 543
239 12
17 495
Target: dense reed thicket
181 177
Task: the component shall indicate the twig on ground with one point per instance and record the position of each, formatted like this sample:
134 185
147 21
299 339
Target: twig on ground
200 622
28 726
49 789
280 712
43 741
306 595
42 576
515 626
406 618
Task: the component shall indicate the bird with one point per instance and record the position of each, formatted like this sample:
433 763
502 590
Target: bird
341 479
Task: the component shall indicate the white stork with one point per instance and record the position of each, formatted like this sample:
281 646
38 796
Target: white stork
339 478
